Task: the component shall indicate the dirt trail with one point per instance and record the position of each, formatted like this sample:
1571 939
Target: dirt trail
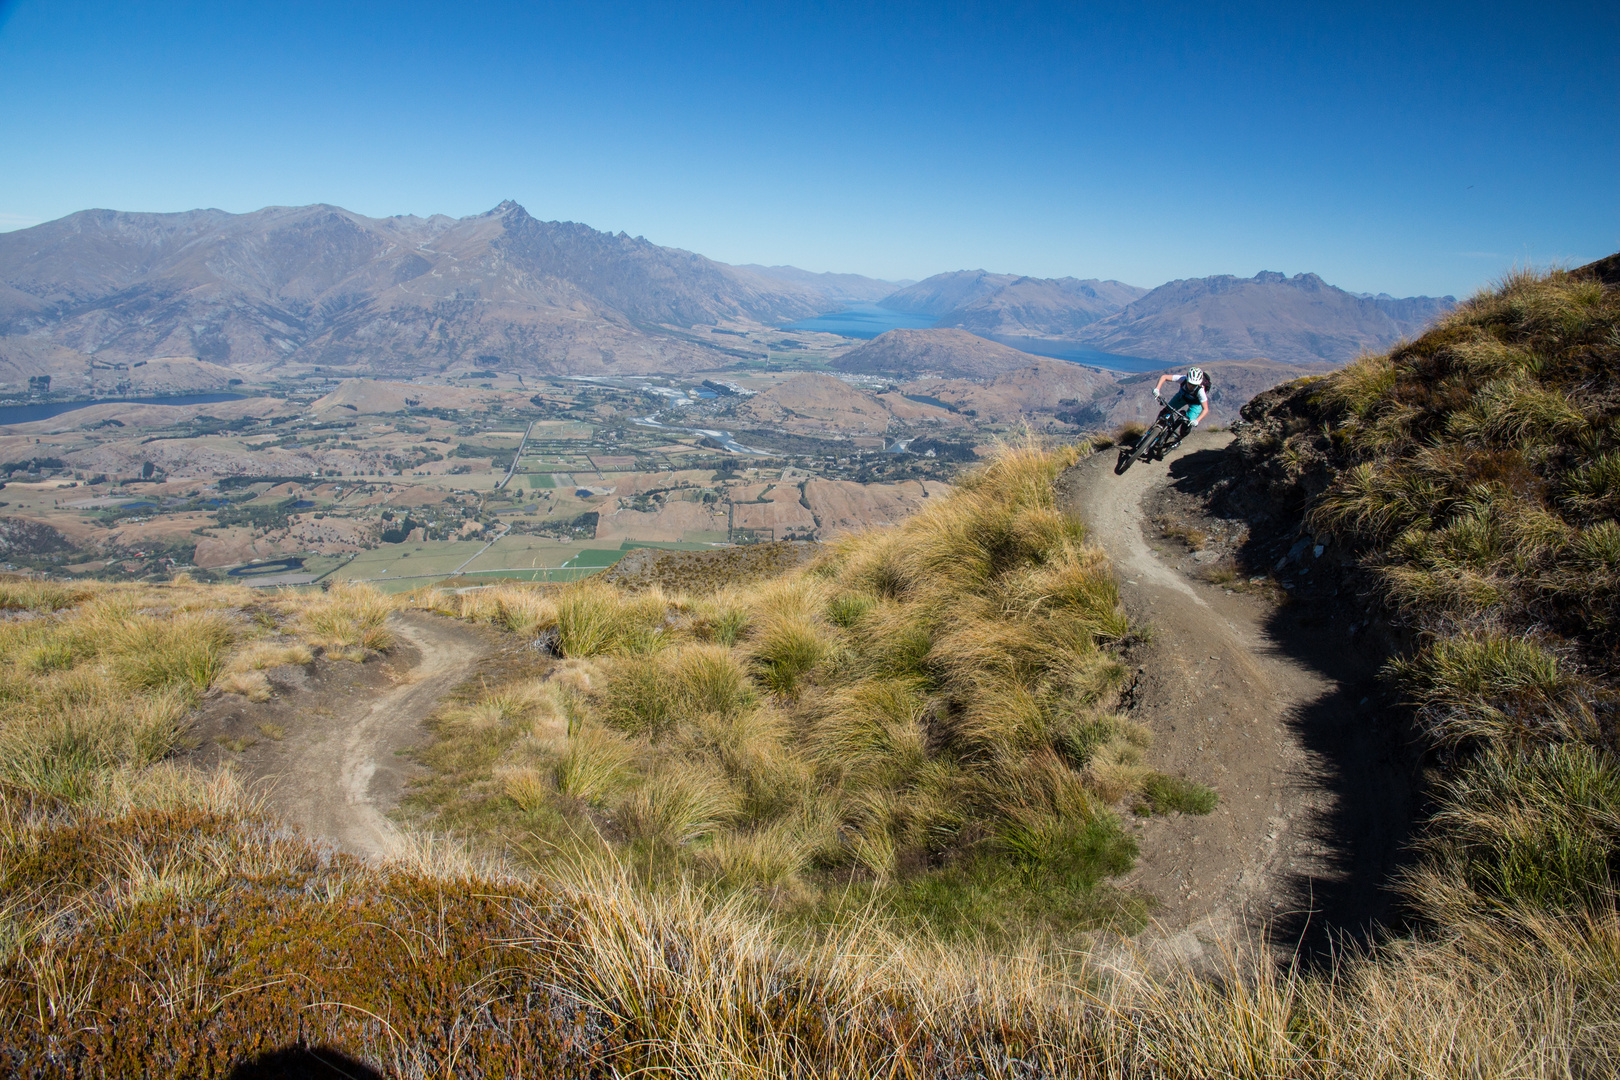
324 751
1222 699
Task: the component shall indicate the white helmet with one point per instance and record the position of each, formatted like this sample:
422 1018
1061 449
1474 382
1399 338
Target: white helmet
1195 375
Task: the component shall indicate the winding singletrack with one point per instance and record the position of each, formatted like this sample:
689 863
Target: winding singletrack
324 753
1221 698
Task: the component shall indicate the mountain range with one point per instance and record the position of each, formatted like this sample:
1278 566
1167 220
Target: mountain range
991 304
289 289
1299 319
846 288
321 286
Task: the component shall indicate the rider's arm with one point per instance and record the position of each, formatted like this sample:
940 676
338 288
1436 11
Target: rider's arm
1203 399
1162 380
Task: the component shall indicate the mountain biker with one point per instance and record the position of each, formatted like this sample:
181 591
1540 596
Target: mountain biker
1193 396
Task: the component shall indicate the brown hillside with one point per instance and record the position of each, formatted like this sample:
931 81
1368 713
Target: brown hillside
1296 319
1040 387
321 286
373 396
817 403
945 354
1043 307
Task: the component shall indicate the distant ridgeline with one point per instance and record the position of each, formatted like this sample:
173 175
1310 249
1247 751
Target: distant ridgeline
1297 319
319 286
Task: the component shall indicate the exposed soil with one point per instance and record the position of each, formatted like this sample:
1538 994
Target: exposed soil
1272 706
325 750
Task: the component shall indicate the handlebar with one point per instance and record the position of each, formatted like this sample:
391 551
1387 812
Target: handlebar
1181 412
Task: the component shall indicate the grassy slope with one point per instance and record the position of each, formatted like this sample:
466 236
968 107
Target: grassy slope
214 936
919 719
1475 475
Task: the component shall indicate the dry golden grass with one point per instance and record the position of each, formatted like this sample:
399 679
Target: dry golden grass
956 702
855 716
98 684
345 619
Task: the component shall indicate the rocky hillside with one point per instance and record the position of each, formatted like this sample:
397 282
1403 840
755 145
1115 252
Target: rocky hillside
292 287
1293 319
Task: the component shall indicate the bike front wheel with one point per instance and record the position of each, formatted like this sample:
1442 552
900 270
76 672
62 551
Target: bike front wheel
1146 444
1130 455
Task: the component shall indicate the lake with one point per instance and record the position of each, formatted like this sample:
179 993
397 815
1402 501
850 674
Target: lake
869 320
863 321
24 414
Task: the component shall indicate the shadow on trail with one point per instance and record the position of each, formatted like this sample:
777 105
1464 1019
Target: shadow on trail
1361 738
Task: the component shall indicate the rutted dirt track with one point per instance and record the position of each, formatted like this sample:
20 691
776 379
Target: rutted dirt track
1222 699
324 752
1315 790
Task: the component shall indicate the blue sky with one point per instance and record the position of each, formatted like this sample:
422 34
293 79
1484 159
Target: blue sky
1407 148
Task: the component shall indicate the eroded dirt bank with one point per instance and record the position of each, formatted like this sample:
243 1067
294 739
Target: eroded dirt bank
1270 711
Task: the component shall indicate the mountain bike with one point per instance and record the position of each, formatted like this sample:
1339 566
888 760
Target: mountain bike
1154 438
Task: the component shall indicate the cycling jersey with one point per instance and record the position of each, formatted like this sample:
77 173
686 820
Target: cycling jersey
1194 402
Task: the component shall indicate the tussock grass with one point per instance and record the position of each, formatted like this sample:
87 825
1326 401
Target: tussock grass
919 704
594 768
252 685
1483 458
919 773
1475 472
679 804
231 927
346 618
595 619
1128 433
259 655
29 594
94 688
1166 794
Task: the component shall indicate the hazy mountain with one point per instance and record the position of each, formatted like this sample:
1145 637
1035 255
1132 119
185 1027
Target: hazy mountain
949 354
1041 307
845 288
1295 319
944 293
319 285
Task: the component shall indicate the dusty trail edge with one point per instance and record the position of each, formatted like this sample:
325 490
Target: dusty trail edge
1220 698
332 765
